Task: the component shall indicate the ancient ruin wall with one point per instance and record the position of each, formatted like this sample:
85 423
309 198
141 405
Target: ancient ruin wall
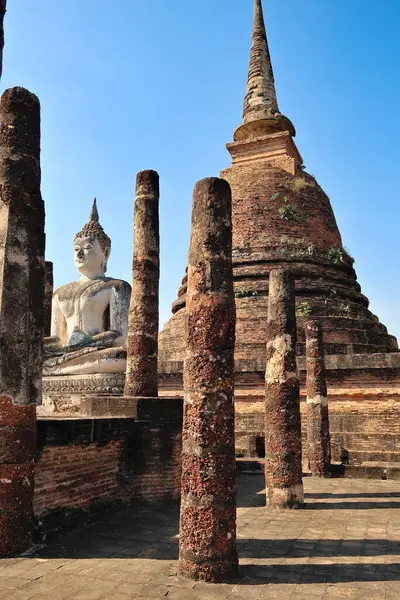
85 467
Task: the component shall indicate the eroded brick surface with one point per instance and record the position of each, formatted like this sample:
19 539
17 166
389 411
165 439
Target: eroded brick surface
208 508
283 469
142 344
21 316
318 438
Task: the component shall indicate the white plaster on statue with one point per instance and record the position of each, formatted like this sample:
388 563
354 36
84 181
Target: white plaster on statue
89 316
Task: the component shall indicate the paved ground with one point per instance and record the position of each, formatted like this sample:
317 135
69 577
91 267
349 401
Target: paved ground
345 544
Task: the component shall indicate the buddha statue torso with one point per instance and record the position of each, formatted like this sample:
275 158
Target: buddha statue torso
89 316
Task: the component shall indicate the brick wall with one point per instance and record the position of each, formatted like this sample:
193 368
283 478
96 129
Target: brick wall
158 447
87 466
365 427
83 467
364 404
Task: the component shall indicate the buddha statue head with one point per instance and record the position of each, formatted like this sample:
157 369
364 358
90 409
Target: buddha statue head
92 247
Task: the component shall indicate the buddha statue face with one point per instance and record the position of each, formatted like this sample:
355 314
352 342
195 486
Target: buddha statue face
92 247
89 257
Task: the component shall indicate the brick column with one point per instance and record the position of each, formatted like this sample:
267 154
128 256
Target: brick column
2 13
207 545
48 296
142 346
21 312
318 438
282 397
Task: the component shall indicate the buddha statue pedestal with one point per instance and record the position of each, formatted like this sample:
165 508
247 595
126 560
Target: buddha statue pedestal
96 395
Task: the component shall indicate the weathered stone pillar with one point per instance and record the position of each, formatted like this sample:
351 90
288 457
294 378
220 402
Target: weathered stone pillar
21 312
207 545
2 13
318 438
142 345
48 296
283 471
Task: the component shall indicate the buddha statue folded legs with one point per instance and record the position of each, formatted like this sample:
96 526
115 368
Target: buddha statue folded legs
89 316
87 361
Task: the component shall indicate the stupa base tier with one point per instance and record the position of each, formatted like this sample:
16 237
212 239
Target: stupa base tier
349 328
364 405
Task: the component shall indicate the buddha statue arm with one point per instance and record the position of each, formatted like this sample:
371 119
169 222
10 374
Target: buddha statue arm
119 309
58 327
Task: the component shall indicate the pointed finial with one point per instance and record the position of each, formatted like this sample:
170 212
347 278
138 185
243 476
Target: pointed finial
94 213
93 228
260 101
260 111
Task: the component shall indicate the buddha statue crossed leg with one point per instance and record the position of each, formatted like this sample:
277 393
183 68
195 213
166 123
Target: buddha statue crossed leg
89 316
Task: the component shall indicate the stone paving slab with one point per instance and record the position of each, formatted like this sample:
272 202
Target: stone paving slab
345 544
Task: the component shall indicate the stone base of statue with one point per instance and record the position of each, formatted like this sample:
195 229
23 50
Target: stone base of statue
96 395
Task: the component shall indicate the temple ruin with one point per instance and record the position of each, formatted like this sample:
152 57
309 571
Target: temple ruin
100 413
283 219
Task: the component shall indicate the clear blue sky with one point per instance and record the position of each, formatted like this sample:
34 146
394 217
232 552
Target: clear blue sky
134 84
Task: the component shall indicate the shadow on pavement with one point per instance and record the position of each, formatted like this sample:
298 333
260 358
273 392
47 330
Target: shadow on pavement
337 573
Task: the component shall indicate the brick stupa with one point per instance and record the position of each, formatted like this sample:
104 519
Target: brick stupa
281 218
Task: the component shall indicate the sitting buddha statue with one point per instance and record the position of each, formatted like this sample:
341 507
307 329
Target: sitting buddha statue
89 324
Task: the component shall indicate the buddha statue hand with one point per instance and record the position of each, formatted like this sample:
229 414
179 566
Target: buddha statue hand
78 338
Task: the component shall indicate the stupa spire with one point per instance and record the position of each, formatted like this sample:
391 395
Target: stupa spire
260 101
260 111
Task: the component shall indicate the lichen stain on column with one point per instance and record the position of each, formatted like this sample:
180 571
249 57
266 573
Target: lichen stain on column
318 437
142 344
283 471
21 312
207 546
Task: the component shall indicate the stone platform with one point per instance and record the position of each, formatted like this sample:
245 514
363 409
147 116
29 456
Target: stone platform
344 544
99 395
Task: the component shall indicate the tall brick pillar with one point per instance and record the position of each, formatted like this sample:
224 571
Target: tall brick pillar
21 312
207 545
48 296
142 345
282 397
2 13
318 438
